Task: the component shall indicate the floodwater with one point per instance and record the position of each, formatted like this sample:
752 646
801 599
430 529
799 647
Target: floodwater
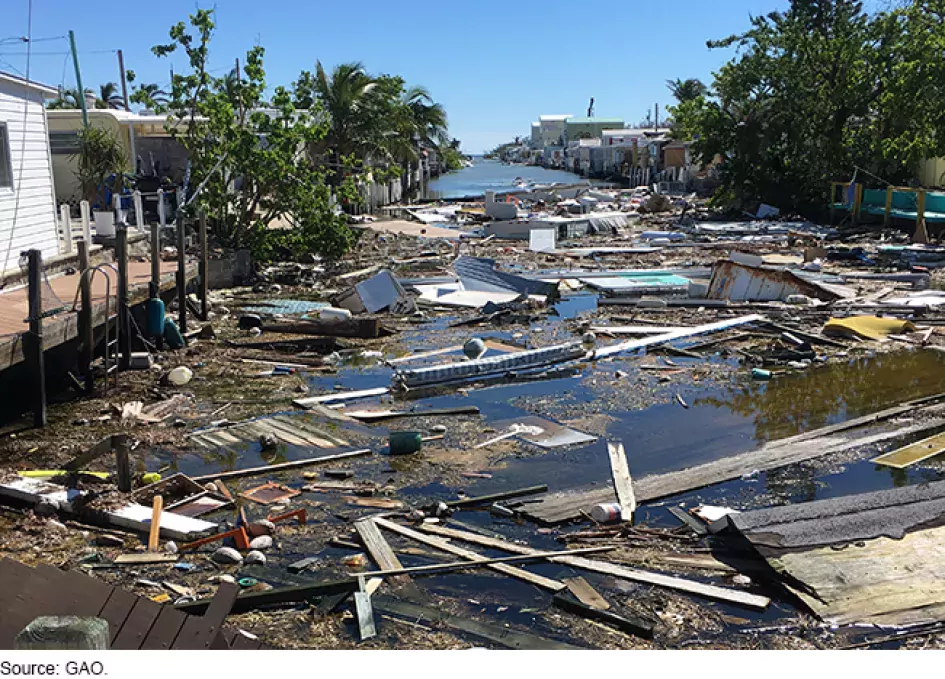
723 419
492 175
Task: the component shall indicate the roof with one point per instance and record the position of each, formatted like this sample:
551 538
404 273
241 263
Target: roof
584 120
554 118
29 84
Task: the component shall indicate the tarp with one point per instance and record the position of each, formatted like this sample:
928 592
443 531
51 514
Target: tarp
866 327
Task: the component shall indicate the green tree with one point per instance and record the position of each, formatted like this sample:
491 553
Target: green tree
249 163
68 98
816 91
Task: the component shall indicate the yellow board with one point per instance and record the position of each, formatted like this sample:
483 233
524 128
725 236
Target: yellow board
867 327
46 473
916 452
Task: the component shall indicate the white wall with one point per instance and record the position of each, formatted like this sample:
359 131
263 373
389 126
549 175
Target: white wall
31 201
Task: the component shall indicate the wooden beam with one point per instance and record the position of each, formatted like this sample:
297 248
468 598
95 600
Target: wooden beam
582 589
35 337
504 495
462 565
274 468
630 624
633 574
362 606
914 452
154 535
540 581
622 482
122 463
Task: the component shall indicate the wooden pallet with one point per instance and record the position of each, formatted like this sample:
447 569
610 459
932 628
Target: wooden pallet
134 622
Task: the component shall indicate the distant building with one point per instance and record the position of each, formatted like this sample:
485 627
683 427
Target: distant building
589 128
535 139
552 129
27 195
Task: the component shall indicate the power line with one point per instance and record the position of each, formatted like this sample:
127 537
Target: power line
57 54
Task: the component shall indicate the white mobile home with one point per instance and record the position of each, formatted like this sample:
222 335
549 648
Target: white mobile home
27 195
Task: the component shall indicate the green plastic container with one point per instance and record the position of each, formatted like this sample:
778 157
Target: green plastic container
404 442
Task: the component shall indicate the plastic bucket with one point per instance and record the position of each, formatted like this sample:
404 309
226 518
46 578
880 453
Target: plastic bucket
605 512
404 442
334 314
104 222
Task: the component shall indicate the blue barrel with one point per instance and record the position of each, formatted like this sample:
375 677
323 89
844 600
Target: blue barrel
154 310
172 334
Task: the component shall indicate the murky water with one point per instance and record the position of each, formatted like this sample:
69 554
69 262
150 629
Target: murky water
491 175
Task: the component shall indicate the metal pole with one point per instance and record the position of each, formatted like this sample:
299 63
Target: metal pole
204 266
124 81
86 221
86 332
155 289
78 79
66 220
181 274
35 335
124 321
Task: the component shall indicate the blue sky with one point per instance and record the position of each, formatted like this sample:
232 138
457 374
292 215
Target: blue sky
495 66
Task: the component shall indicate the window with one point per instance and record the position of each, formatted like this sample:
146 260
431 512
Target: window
6 160
63 143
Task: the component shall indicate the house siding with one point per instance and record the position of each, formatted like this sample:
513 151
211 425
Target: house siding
28 210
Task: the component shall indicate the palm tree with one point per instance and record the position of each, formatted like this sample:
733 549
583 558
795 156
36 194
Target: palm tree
345 96
68 98
154 93
109 97
687 90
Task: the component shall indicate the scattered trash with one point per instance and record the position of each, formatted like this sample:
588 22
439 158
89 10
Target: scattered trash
180 376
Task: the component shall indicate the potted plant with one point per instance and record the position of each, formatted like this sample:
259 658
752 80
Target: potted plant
99 156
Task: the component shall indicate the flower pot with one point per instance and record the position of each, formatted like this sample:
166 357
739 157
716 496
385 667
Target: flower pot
104 222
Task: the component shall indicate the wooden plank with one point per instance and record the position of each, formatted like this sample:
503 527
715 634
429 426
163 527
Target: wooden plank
364 328
376 415
539 580
25 592
425 354
154 534
199 631
504 495
383 555
364 612
635 575
582 589
462 565
137 625
77 594
915 452
682 333
622 482
274 468
117 609
165 630
82 460
265 427
145 558
280 595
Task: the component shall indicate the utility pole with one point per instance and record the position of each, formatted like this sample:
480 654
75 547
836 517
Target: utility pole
124 81
78 80
239 82
657 121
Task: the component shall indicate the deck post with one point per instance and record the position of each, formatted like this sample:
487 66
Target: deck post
203 267
86 216
86 332
34 355
66 220
124 319
122 463
139 210
888 214
181 274
921 235
154 289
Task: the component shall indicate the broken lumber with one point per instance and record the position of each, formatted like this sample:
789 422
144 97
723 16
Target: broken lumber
362 328
914 452
583 591
383 555
682 333
633 574
463 565
445 546
155 533
249 601
622 481
273 468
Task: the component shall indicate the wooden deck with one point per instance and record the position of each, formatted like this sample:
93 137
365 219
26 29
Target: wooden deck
134 622
63 326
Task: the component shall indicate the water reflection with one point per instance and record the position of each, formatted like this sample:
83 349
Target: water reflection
838 391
